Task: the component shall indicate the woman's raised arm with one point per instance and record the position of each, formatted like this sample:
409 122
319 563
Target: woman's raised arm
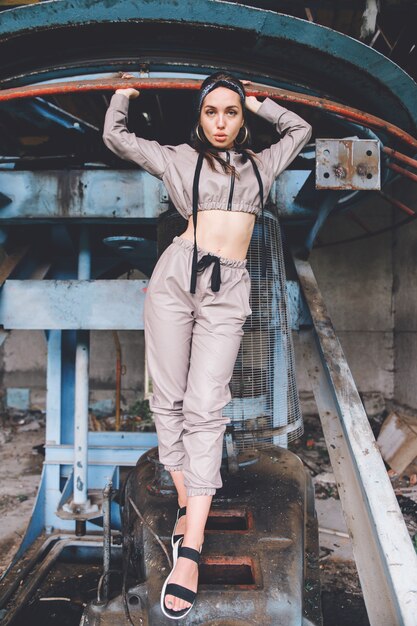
297 133
149 154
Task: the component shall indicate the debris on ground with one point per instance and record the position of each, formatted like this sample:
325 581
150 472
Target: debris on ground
312 450
137 417
397 440
20 471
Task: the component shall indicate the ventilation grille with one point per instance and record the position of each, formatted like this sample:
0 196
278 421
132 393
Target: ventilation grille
265 408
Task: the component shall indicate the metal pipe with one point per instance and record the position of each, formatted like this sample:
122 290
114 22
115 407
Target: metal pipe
118 376
80 528
358 221
399 156
107 497
25 568
81 386
401 170
254 89
26 591
397 203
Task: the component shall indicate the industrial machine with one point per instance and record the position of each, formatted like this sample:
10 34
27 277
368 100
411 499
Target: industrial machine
74 219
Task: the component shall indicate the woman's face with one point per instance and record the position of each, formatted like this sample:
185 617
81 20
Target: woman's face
221 117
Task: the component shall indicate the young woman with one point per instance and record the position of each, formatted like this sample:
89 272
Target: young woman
198 296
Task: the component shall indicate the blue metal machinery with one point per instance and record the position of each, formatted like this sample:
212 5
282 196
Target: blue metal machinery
62 274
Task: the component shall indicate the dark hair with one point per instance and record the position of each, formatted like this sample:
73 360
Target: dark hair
205 147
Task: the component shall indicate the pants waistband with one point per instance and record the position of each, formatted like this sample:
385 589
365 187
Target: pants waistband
189 245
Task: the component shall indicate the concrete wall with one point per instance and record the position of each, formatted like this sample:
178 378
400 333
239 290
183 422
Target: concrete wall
23 356
356 282
405 298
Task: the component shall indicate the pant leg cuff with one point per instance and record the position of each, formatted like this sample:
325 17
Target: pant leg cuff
172 468
201 491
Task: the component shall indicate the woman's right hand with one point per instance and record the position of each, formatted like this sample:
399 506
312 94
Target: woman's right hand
130 92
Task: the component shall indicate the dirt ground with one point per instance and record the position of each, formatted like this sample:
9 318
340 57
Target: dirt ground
20 470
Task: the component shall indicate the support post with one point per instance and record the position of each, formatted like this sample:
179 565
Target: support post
82 387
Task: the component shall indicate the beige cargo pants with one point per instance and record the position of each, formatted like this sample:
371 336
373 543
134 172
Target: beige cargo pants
191 342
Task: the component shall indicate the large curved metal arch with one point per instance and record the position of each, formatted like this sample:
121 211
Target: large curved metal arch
284 50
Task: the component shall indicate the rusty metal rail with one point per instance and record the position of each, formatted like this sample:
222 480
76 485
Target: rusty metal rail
254 89
29 577
384 554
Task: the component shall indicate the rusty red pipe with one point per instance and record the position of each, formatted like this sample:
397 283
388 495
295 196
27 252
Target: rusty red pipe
399 156
400 170
397 203
254 89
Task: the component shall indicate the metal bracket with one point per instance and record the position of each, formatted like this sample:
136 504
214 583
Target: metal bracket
348 164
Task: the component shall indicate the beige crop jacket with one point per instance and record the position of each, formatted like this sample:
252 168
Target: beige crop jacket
175 165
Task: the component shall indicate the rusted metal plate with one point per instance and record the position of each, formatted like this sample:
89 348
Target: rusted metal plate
348 164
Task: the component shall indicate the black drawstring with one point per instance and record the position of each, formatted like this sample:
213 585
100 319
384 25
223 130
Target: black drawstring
261 193
207 259
204 262
195 208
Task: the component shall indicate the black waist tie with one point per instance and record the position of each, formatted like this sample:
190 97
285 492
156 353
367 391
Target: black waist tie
210 258
204 262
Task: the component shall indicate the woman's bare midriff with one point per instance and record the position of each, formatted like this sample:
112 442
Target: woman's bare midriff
224 233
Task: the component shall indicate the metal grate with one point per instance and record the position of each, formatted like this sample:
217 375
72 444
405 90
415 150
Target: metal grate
265 408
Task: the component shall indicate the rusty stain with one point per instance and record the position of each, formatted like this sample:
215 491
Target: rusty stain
339 171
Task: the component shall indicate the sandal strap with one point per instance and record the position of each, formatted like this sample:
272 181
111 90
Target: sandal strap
176 537
180 592
189 553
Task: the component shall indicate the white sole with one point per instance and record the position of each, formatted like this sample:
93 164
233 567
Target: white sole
174 558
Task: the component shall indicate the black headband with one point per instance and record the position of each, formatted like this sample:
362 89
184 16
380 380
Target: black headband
222 82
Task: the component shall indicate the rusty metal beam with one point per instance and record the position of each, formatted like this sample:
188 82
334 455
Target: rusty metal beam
17 3
399 156
401 170
11 261
397 203
358 221
254 89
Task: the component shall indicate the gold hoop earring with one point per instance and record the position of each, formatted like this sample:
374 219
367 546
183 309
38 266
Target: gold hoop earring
198 134
239 143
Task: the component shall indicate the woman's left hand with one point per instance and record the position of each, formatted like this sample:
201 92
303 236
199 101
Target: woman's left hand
251 102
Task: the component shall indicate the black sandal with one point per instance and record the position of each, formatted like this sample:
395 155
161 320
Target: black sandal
178 590
181 511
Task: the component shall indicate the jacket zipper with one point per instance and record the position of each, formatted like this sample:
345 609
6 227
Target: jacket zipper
232 184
